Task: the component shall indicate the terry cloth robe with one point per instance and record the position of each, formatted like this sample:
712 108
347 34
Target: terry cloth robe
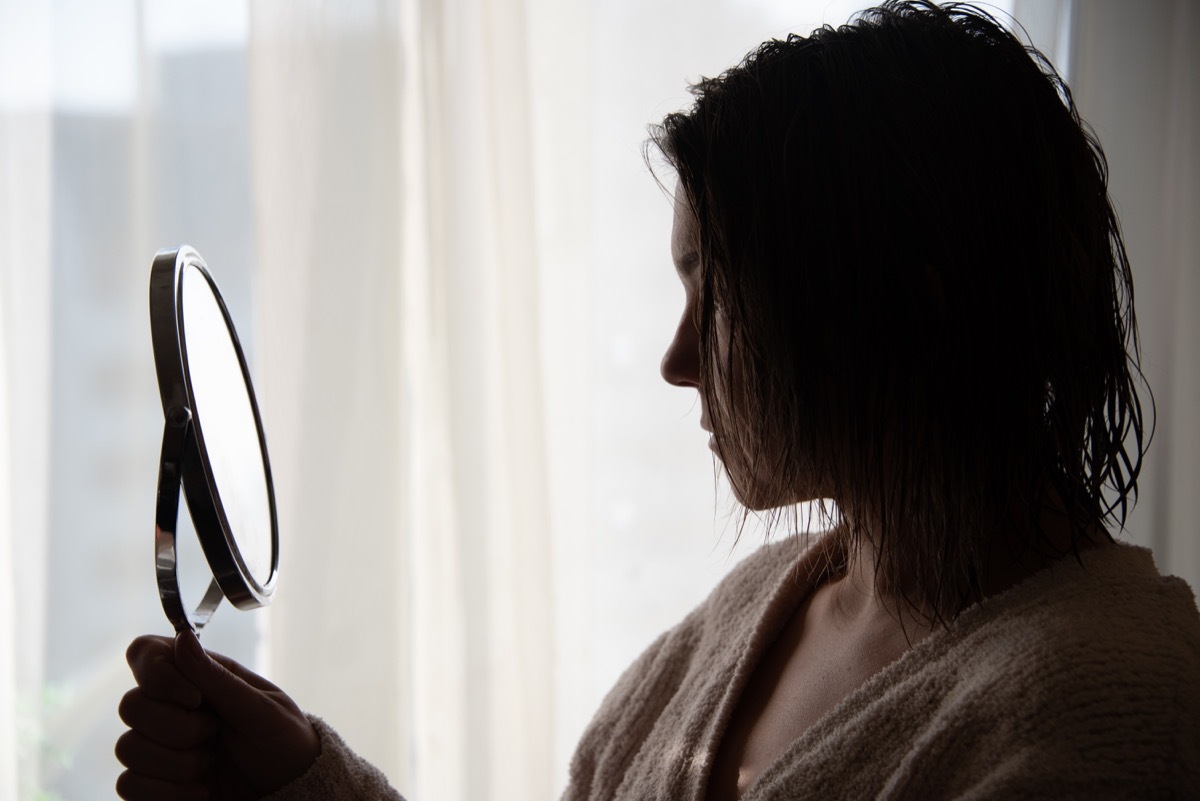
1082 682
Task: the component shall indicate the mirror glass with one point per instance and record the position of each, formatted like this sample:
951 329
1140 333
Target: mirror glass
224 423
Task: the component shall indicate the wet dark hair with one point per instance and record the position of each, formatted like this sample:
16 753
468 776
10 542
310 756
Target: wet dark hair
906 229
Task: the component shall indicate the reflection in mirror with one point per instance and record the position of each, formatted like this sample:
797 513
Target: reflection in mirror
225 423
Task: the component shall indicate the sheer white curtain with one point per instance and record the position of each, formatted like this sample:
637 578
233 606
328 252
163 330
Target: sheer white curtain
24 165
24 316
8 599
401 345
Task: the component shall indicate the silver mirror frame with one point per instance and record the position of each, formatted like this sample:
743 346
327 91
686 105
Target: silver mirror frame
184 462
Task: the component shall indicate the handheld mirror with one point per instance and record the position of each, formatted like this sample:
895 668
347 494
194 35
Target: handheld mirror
213 446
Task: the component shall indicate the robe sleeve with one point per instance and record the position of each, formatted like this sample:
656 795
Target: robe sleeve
338 775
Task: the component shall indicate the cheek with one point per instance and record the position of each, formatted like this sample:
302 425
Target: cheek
729 377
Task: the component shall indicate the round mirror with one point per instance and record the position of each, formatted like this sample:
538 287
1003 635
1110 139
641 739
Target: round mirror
213 445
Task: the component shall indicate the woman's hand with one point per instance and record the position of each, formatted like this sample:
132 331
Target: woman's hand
204 727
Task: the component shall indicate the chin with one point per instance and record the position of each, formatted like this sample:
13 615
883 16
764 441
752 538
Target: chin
757 503
765 495
757 496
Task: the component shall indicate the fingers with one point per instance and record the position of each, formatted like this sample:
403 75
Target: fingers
166 723
234 699
155 761
135 787
152 660
165 766
244 673
189 703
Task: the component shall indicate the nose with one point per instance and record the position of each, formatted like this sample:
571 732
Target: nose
681 363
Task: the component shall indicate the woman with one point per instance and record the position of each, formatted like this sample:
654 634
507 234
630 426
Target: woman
906 291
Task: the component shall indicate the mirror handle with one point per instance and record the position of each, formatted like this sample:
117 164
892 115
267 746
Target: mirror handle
178 440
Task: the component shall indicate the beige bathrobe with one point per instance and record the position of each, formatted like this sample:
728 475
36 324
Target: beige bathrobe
1083 682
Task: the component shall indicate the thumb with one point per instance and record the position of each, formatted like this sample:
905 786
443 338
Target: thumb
228 695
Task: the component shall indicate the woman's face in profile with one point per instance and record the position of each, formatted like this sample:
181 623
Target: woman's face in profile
681 362
751 465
